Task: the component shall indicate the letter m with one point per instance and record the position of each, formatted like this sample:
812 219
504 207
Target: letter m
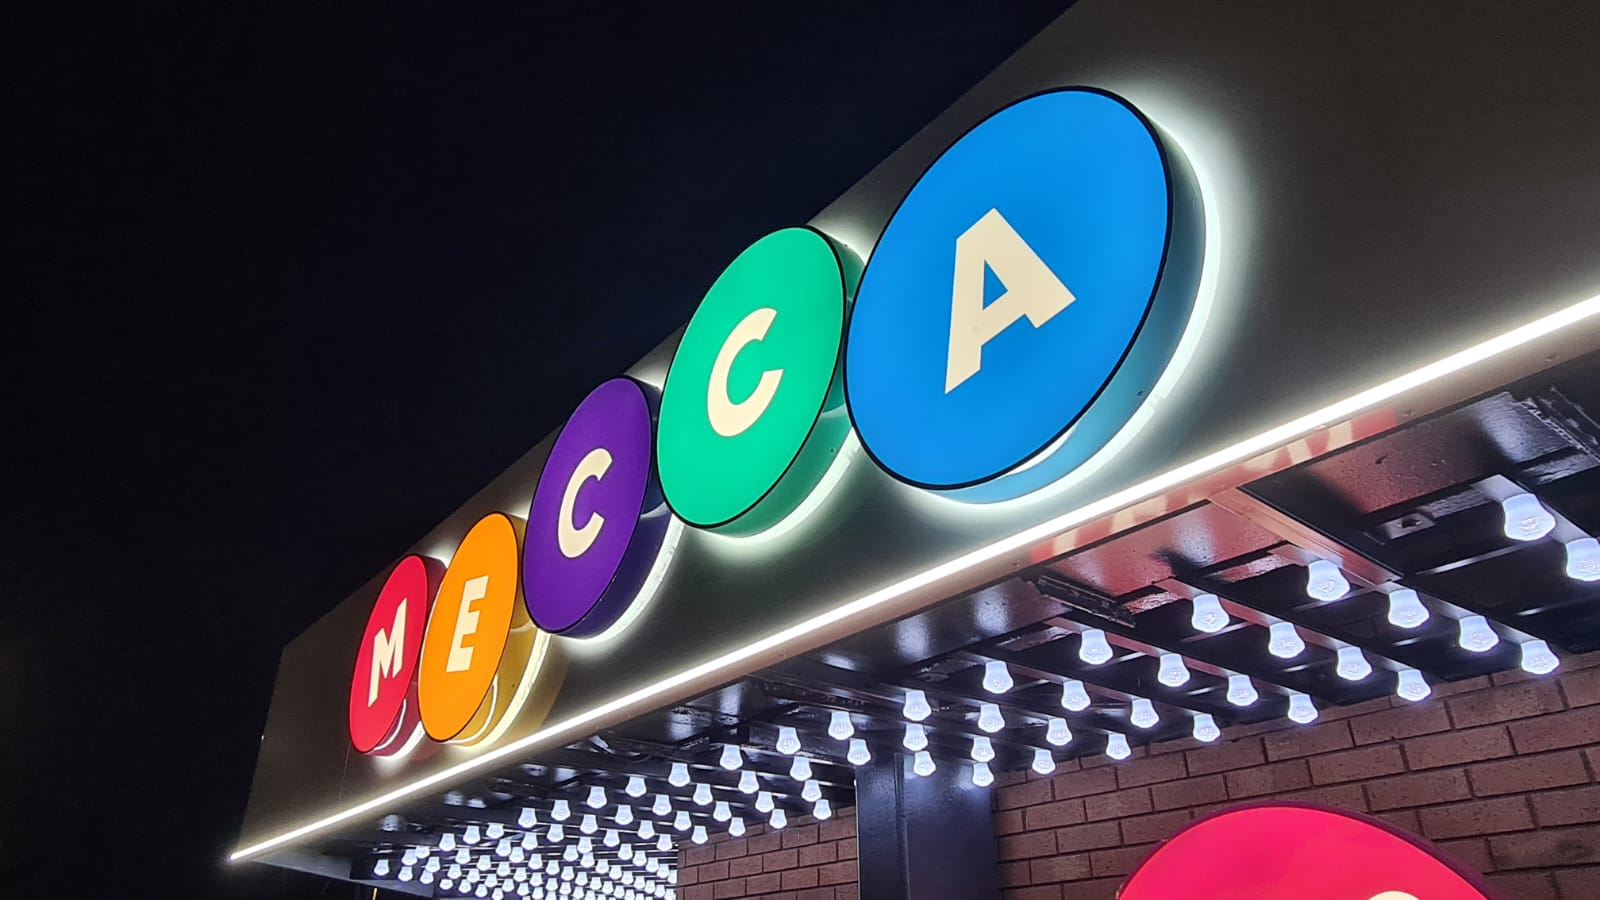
386 651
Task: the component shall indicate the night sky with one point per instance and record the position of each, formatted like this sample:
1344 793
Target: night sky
284 286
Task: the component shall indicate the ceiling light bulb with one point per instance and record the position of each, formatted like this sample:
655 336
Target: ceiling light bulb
1526 518
1411 686
624 815
681 821
1583 559
503 847
917 708
1043 762
1073 696
1324 581
721 812
1537 658
788 740
1284 642
736 826
916 737
447 841
494 831
989 718
764 801
381 867
801 770
1477 635
611 838
839 726
922 763
663 843
597 797
1205 728
1117 746
556 834
1173 673
981 775
647 830
1057 732
635 786
463 855
589 825
811 791
1352 665
702 794
778 820
731 759
1144 713
406 873
472 835
982 749
560 811
859 755
1301 709
996 677
679 776
1240 691
748 783
662 806
1208 615
527 818
699 836
1093 648
1406 609
822 809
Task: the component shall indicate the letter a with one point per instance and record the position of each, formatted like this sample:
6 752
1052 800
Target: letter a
1032 290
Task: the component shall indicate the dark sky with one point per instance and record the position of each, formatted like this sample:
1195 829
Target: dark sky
285 285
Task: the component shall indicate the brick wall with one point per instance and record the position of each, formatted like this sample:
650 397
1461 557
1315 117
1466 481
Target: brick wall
809 860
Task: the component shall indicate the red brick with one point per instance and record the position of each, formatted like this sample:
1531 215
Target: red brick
714 871
1189 792
1269 779
1344 796
1053 815
1009 822
728 890
1406 721
1092 836
1576 884
847 892
1581 688
1224 756
842 825
1456 747
1546 847
1117 862
1579 805
1404 819
795 879
1027 846
1464 686
1155 827
1117 805
817 854
799 835
1357 765
698 854
744 866
847 848
1083 783
1015 874
688 875
1059 868
1526 885
1038 892
1028 793
836 873
762 885
1528 773
1472 853
766 843
1168 767
1502 704
779 859
1567 729
1297 742
695 892
1418 789
1476 817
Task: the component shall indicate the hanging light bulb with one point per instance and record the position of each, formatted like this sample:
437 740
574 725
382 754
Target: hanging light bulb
981 775
699 836
1352 665
1144 713
679 775
1537 658
1093 648
1411 686
748 783
1406 609
922 763
681 821
721 812
996 677
611 838
1057 732
647 830
1324 581
635 786
822 810
527 818
731 759
801 770
463 855
764 802
1476 635
560 811
1583 559
1526 518
503 847
494 831
839 726
1301 709
406 873
381 867
859 755
1172 673
1283 641
917 708
447 841
788 740
736 826
624 815
811 791
472 835
1208 615
778 820
663 843
989 718
663 805
556 834
1073 696
1240 691
597 797
916 737
1043 762
1205 728
702 794
1117 746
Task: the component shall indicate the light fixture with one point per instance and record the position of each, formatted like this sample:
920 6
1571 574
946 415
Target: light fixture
1476 635
778 819
1143 713
736 826
1043 762
662 806
663 842
406 873
494 831
1057 732
527 818
702 794
721 812
556 834
916 737
1411 686
679 776
1283 641
859 755
1093 648
472 834
764 801
981 775
1352 665
635 786
917 708
731 757
560 811
811 791
982 749
748 783
1240 691
624 815
1537 658
647 830
989 718
1117 746
597 797
611 839
501 848
447 841
681 821
1324 581
699 836
1301 709
1208 615
1583 559
1073 696
996 677
381 867
922 763
1172 673
1205 728
801 770
788 740
463 855
1406 609
1526 518
822 810
839 725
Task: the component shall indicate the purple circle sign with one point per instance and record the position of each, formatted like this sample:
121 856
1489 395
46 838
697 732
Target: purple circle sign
594 526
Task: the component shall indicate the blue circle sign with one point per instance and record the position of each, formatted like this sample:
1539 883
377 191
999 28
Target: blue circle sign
1015 312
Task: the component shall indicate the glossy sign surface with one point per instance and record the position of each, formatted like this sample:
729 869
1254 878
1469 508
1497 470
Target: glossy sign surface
383 700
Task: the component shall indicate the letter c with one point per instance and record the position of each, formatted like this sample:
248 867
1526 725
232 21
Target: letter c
576 541
728 418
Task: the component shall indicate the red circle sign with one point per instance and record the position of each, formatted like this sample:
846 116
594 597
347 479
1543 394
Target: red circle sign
383 695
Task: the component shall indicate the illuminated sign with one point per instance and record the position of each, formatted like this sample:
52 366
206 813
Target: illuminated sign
745 428
383 688
1018 293
596 522
1298 852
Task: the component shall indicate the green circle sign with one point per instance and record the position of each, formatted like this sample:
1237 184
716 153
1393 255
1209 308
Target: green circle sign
752 411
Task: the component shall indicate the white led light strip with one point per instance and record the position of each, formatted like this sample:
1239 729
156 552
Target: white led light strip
729 663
